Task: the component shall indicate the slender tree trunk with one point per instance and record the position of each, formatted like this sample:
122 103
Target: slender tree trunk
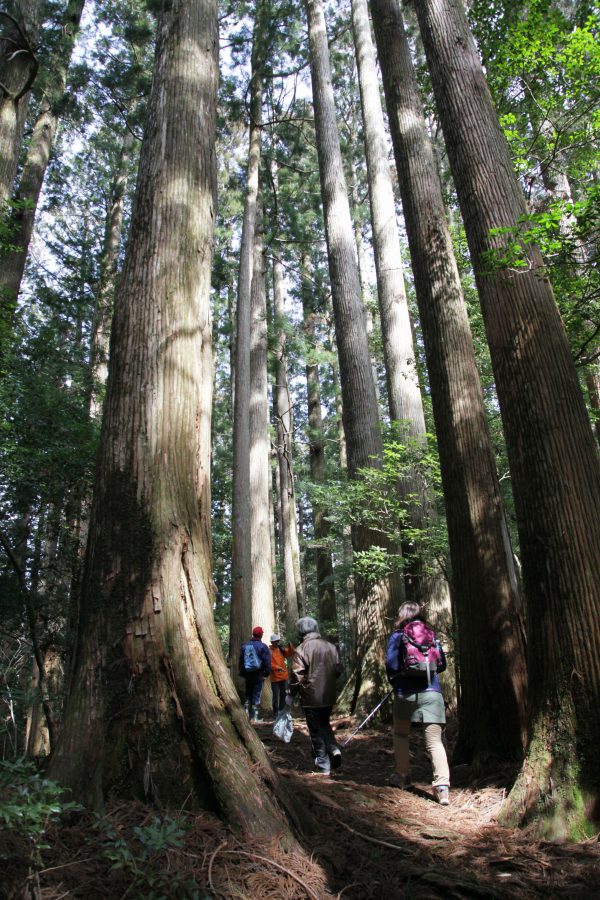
316 451
404 394
592 383
552 453
108 274
284 425
361 259
150 682
18 69
485 586
241 572
260 478
34 170
403 389
240 616
376 602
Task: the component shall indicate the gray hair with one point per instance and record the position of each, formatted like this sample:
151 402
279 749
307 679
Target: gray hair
305 625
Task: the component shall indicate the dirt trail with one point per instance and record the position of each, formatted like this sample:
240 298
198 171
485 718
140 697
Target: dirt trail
369 841
379 841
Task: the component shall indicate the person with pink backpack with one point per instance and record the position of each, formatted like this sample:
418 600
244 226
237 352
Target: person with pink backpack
414 657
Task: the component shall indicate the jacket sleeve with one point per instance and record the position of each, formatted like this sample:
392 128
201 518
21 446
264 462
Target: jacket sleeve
392 656
299 669
266 659
338 664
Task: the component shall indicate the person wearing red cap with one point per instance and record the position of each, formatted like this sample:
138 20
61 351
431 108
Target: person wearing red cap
254 667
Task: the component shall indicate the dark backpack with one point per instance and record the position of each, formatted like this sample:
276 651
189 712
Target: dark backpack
251 659
420 656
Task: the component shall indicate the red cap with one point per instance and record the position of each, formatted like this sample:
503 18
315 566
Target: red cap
257 632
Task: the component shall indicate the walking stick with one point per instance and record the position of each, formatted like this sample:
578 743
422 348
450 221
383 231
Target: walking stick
372 713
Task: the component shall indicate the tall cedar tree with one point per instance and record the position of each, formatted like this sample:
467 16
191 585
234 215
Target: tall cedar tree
240 622
316 453
260 471
360 412
484 583
404 392
150 683
553 457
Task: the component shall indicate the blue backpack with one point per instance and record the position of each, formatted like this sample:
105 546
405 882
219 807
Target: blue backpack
251 659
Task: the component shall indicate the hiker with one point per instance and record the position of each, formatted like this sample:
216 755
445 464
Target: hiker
314 669
279 672
254 667
413 659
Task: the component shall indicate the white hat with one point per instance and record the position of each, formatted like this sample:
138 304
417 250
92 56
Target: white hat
275 638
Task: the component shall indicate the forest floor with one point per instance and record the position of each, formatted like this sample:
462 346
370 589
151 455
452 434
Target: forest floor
369 840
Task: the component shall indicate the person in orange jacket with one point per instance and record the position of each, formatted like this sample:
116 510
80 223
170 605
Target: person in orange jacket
279 672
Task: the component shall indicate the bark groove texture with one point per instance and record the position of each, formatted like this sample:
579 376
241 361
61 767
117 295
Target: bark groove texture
152 711
484 582
359 400
552 453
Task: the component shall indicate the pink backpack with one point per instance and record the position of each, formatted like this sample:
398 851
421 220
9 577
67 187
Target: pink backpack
420 654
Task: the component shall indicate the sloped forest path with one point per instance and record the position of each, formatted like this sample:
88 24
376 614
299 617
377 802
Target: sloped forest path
369 841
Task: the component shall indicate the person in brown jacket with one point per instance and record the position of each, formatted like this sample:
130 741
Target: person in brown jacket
314 669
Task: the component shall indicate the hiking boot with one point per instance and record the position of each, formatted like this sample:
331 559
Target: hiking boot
256 717
442 794
336 758
400 781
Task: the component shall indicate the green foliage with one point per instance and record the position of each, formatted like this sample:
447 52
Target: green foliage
379 499
145 857
567 234
29 802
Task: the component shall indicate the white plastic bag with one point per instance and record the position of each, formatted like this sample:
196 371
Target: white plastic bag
284 726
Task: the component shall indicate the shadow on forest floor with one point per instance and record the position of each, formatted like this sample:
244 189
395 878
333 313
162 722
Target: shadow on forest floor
371 841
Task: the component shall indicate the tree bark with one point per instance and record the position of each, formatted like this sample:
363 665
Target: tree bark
38 155
552 454
263 612
484 582
240 622
403 389
316 453
284 426
359 401
153 711
19 28
108 273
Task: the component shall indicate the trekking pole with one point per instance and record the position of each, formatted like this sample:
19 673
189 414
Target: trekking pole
372 713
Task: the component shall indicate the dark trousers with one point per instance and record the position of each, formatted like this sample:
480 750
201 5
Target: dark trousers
321 735
254 685
278 689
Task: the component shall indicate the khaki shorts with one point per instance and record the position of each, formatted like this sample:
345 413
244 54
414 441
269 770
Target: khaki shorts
425 707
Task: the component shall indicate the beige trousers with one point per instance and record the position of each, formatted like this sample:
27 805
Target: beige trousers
432 735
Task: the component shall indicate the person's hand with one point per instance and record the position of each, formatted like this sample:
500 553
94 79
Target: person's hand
288 699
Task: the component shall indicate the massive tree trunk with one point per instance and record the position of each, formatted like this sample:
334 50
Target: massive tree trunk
485 588
552 454
316 453
152 711
376 601
38 155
